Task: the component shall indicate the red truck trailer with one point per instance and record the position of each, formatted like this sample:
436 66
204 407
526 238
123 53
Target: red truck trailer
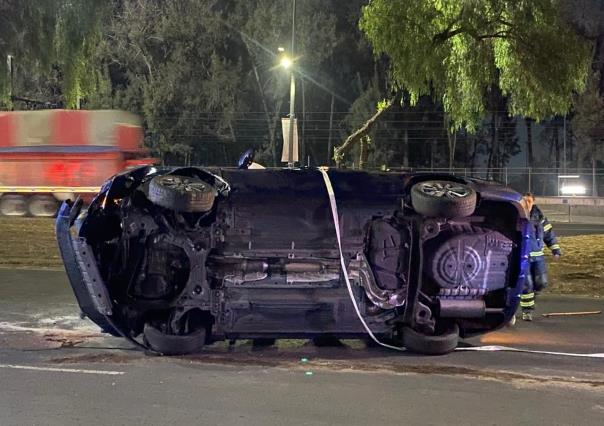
49 156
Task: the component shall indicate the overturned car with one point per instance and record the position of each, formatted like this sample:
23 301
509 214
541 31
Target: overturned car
175 258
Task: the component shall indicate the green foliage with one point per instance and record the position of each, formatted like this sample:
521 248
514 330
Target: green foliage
49 36
458 50
588 122
383 104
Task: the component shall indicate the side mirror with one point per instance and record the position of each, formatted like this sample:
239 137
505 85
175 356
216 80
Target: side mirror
246 159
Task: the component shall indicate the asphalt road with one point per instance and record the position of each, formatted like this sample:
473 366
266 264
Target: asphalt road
569 229
56 369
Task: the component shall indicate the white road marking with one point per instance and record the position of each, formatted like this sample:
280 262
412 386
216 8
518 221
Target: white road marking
495 348
77 329
62 370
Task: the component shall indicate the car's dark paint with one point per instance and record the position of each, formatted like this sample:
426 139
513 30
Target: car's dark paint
265 263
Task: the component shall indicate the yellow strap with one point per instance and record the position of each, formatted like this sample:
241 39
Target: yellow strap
555 247
51 189
547 227
536 253
527 304
527 296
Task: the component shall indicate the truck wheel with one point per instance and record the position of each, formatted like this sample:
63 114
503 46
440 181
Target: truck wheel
13 205
441 198
438 344
42 206
182 193
171 344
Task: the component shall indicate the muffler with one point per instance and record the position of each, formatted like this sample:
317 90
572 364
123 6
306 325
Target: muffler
451 308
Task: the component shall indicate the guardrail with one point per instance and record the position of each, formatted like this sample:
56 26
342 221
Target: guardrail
573 209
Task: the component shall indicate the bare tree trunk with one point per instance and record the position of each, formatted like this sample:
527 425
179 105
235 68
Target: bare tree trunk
493 144
406 148
357 135
570 137
599 59
269 123
594 183
529 142
545 181
226 155
496 148
451 141
473 157
362 152
329 141
556 143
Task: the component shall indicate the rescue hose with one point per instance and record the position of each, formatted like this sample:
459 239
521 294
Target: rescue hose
336 222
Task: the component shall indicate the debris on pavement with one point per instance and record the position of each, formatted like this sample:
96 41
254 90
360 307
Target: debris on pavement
568 314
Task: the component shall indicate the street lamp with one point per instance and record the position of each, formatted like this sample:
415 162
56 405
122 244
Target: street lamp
287 62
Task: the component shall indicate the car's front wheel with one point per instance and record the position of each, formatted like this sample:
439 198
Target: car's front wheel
173 344
182 193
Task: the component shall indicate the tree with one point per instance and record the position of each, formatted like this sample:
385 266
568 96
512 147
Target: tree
587 120
53 44
588 124
266 25
174 63
454 51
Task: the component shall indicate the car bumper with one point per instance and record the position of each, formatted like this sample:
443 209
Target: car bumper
84 277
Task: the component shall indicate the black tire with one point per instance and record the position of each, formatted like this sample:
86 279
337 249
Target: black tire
13 205
169 344
439 344
441 198
42 206
182 193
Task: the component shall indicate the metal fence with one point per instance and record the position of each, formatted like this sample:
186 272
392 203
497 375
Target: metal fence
541 181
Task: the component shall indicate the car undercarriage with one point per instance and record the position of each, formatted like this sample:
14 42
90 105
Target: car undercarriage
176 258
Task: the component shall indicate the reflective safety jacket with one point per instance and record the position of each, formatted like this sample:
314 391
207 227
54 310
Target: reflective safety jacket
541 235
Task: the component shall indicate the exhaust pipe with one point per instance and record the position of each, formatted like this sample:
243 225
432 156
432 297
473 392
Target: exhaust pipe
451 308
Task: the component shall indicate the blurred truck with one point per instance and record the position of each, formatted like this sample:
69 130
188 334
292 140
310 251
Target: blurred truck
48 156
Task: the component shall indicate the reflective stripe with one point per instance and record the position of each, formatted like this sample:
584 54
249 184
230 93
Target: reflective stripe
547 227
555 247
527 296
536 253
527 304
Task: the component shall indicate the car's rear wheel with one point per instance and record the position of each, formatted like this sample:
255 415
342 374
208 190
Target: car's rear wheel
437 344
182 193
441 198
172 344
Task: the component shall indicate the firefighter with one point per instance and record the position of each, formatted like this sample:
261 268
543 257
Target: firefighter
541 235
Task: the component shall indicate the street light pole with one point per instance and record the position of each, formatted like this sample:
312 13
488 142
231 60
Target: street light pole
9 68
292 93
